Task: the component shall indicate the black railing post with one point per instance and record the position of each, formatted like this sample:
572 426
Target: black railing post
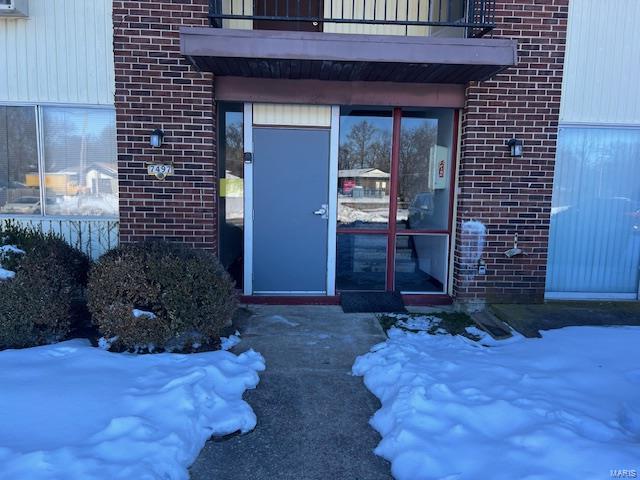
215 10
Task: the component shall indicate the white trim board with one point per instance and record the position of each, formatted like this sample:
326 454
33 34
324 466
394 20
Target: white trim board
589 296
248 200
630 126
333 200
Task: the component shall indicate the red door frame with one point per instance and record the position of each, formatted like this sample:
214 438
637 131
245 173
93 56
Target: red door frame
392 229
393 200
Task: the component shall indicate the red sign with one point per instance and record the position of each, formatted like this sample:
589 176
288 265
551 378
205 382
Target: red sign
347 185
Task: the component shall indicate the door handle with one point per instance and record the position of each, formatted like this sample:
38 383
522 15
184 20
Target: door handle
322 211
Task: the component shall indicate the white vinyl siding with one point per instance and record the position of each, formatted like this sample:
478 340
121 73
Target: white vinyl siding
61 53
237 7
602 67
291 115
389 10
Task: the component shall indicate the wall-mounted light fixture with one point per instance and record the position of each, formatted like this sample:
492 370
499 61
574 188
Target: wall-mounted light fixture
515 147
156 138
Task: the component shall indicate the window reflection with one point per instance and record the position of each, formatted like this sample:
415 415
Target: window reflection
231 191
424 169
364 167
19 178
421 263
361 262
81 173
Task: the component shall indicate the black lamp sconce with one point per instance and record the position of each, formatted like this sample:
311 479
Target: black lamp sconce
515 147
156 138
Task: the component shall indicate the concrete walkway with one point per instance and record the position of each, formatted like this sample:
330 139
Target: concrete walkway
312 414
530 319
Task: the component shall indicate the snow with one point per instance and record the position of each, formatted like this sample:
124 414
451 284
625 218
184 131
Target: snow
11 249
227 343
105 343
143 313
6 274
4 249
74 411
564 406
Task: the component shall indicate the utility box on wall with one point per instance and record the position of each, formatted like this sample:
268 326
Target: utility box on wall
14 8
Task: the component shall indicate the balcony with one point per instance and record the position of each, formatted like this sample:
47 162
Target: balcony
357 41
449 18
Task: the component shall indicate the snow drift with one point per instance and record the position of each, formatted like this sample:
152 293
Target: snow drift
564 406
72 411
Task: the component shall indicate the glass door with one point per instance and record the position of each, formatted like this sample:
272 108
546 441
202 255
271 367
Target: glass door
364 188
395 176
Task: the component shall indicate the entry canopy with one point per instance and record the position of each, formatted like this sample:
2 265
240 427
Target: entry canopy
289 55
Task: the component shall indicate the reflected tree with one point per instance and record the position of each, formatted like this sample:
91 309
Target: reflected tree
234 148
415 159
18 151
366 146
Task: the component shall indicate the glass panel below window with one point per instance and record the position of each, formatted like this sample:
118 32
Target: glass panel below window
361 262
19 178
421 263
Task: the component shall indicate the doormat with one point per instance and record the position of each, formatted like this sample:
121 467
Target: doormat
372 302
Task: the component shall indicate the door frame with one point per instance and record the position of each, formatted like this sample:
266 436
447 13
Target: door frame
247 134
247 130
332 230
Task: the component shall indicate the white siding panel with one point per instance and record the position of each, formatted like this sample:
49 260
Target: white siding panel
291 115
61 53
602 67
237 7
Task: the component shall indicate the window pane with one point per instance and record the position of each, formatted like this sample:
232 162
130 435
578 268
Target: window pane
361 262
421 263
81 173
425 169
594 238
231 192
364 167
19 180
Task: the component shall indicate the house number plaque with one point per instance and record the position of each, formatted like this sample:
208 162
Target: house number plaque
160 170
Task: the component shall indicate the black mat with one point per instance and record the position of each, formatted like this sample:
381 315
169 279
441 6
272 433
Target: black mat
372 302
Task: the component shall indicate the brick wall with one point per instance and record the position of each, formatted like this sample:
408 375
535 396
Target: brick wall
156 88
511 195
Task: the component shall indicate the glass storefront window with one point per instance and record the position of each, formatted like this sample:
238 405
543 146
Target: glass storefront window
80 160
364 168
421 263
362 262
231 189
19 177
424 175
421 175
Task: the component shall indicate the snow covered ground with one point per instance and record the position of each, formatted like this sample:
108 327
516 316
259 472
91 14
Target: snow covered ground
5 250
71 411
566 406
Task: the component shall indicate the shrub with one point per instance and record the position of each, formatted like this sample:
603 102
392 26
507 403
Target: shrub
29 239
35 306
188 292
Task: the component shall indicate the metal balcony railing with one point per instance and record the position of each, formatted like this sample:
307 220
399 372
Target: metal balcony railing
451 18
